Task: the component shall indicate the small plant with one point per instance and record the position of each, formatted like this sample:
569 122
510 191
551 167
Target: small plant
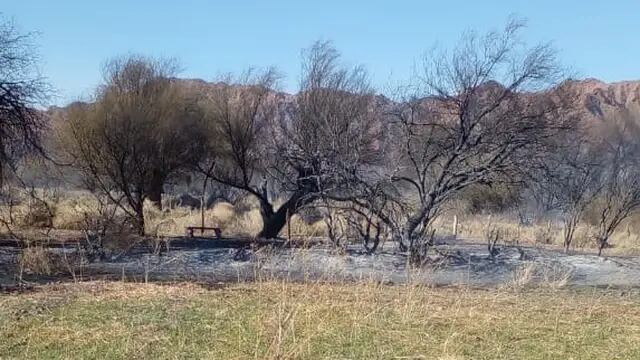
544 234
35 259
493 235
39 214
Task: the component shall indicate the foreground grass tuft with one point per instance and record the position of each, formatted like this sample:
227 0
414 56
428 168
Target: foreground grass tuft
285 320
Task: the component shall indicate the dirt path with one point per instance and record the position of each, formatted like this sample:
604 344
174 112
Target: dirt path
451 263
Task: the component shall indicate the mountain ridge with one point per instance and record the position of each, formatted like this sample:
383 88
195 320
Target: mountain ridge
598 98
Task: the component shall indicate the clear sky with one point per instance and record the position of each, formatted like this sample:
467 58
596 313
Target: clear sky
595 38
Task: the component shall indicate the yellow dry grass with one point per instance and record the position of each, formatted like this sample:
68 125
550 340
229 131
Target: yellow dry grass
238 220
281 320
625 241
37 260
69 209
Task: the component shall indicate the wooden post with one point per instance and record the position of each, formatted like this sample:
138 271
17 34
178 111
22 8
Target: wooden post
455 226
202 214
202 200
288 226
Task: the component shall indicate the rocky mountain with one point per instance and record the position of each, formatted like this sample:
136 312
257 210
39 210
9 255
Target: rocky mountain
599 100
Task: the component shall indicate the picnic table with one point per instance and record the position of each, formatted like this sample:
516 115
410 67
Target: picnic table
192 229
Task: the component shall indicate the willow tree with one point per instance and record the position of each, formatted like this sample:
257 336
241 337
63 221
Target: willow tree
142 129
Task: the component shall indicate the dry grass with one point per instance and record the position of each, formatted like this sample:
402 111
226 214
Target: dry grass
280 320
243 219
538 275
70 208
70 213
174 221
37 260
301 228
625 241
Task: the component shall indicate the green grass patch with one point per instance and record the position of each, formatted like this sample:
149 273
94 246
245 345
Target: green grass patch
285 320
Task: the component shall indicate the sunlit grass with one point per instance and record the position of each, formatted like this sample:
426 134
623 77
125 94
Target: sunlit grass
285 320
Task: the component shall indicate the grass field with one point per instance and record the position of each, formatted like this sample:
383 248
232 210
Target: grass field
285 320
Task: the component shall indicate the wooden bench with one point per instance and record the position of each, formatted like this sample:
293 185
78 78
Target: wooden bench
216 230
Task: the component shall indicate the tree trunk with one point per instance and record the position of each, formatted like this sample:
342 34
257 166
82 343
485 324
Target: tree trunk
602 244
274 221
156 188
403 238
569 230
202 203
274 224
407 233
138 222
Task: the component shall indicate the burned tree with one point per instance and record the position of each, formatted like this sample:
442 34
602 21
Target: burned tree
22 91
300 148
142 129
329 139
573 178
237 112
474 119
620 196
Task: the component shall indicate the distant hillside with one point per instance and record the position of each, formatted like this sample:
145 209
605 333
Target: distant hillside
599 99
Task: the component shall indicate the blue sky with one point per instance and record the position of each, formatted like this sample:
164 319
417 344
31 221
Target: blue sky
595 38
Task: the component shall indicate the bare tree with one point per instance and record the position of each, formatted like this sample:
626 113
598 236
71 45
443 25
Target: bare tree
330 137
22 91
482 112
237 113
621 188
300 148
573 178
142 130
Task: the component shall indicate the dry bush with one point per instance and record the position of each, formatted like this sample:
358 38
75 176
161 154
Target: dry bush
544 234
626 240
223 212
472 227
541 275
36 215
71 213
300 227
35 259
481 199
64 210
522 276
247 223
39 261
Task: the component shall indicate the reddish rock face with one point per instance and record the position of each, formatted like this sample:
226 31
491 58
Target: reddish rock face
601 101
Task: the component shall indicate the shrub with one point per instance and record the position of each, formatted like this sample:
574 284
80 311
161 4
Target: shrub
38 260
490 199
37 214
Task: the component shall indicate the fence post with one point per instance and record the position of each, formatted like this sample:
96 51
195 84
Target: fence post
202 214
455 227
288 225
